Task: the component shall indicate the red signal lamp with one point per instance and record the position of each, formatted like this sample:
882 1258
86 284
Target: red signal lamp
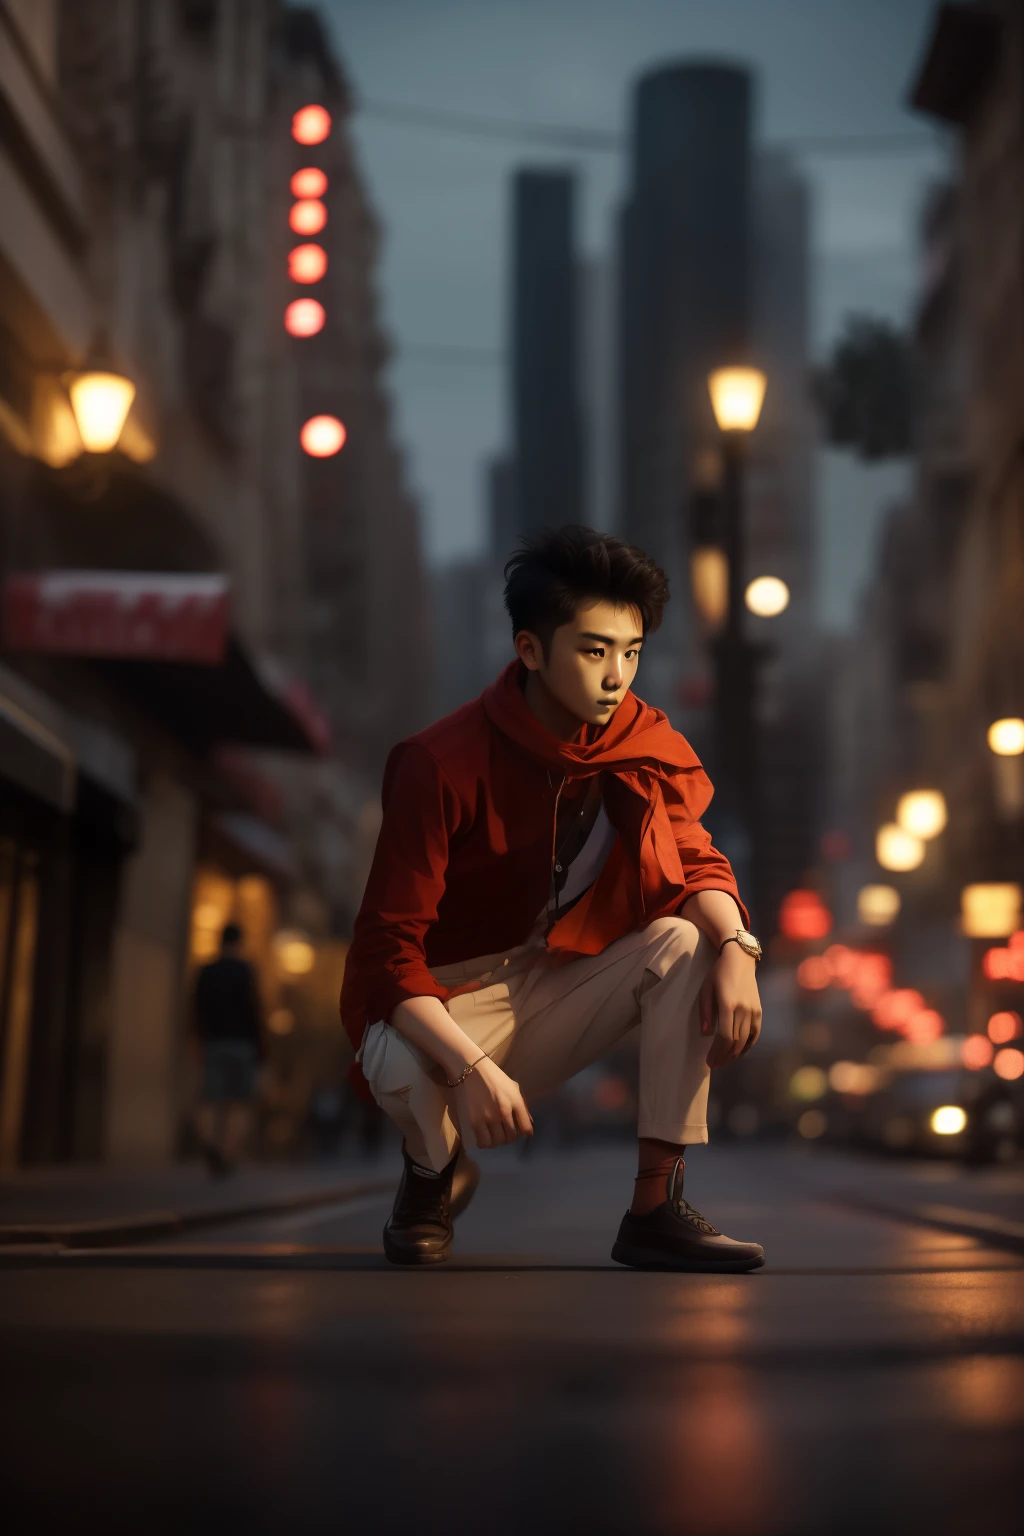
311 125
307 263
307 217
310 181
304 317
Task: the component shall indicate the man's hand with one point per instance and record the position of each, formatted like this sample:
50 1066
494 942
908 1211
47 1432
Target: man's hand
730 1002
490 1103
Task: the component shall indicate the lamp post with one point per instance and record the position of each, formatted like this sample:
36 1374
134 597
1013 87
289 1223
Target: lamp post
736 398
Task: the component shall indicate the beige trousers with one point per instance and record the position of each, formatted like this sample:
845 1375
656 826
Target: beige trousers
543 1018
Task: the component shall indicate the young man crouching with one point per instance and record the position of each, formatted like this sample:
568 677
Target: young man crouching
541 885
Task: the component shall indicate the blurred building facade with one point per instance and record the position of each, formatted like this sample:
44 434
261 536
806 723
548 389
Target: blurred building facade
939 650
145 159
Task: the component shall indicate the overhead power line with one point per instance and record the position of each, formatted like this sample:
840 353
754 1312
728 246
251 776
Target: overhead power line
604 141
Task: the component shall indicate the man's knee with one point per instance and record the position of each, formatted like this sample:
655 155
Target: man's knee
676 946
390 1064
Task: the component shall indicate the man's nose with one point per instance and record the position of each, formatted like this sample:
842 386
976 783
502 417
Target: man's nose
612 681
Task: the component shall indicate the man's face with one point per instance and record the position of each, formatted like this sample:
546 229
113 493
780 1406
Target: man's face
592 661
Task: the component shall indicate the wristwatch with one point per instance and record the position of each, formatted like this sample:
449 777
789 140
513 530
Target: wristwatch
746 942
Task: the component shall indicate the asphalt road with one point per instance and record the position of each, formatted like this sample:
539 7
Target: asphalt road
278 1375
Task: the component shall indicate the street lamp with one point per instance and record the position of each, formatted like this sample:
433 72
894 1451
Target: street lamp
896 849
101 398
767 597
737 394
922 813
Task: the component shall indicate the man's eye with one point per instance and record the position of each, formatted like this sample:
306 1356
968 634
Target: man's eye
597 651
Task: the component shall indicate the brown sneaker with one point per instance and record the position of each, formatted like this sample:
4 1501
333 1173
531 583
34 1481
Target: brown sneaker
675 1236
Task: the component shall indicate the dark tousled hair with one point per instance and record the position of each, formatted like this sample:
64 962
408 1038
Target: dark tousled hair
550 575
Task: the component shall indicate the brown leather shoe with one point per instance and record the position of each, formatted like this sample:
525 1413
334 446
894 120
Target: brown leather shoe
675 1236
420 1228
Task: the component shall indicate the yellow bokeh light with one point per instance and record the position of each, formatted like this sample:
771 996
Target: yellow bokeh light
948 1120
295 954
812 1124
896 849
856 1077
737 395
808 1084
922 813
709 578
767 596
1009 1064
990 911
1006 736
878 905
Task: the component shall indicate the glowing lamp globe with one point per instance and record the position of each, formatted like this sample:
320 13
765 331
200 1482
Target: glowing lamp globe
308 216
737 395
896 849
311 125
1006 737
307 263
878 905
977 1053
1009 1064
101 401
948 1120
304 317
922 813
309 182
1004 1027
767 596
322 437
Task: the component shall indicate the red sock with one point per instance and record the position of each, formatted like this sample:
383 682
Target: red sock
656 1161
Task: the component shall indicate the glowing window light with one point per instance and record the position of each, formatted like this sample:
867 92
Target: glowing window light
307 263
304 317
737 395
309 182
1004 1027
803 915
896 849
977 1053
101 402
878 905
948 1120
295 954
814 974
808 1084
767 596
990 911
1006 737
922 813
307 217
311 125
322 436
1009 1064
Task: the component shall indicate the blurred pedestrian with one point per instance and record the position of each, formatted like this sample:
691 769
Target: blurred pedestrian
541 885
229 1024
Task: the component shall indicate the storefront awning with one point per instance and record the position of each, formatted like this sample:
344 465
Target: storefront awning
165 638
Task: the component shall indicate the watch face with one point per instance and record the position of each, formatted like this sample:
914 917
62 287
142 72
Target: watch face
749 943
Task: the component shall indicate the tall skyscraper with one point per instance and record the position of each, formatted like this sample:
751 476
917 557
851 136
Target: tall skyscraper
683 309
545 392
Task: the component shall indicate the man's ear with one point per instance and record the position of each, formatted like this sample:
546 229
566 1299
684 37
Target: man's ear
529 650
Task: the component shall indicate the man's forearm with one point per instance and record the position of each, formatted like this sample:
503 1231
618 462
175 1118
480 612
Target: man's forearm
714 913
426 1022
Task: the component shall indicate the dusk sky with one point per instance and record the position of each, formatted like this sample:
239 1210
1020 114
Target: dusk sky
826 69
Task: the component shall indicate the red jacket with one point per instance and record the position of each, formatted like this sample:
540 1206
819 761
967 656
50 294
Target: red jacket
464 857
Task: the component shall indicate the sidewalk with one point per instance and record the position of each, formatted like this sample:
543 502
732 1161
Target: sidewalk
77 1206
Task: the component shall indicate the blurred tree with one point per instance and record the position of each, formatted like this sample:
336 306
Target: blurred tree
865 390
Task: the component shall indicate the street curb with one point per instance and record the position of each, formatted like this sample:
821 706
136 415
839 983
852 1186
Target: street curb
115 1231
996 1231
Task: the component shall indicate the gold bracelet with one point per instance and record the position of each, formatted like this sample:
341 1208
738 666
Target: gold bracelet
454 1083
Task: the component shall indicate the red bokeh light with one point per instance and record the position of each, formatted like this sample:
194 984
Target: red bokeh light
803 915
895 1009
304 317
1009 1064
311 125
814 973
925 1027
872 978
307 217
322 436
842 963
307 263
1004 1027
309 182
977 1053
1006 964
